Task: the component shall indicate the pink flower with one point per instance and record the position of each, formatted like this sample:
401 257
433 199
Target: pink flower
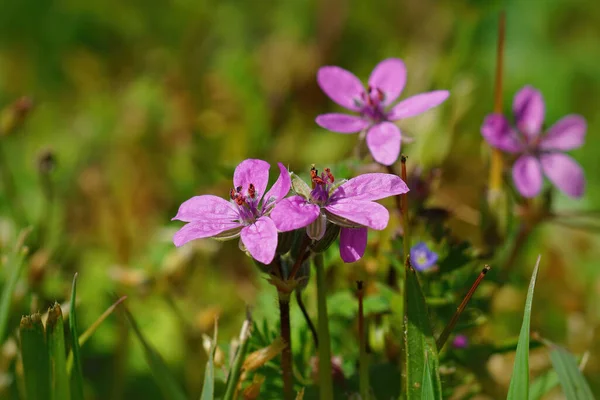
374 105
538 153
244 215
349 204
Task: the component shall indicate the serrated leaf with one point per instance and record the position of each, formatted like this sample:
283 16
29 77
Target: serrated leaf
34 354
76 373
165 381
421 349
208 389
55 338
519 382
572 381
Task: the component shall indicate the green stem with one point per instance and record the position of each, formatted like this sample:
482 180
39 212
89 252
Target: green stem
325 376
363 364
286 354
405 221
236 371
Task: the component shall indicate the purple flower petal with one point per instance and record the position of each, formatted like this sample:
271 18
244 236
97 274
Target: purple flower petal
353 243
202 229
366 213
564 173
260 239
294 213
528 107
389 76
418 104
252 171
341 86
369 187
498 133
207 209
383 140
527 175
342 123
281 187
566 134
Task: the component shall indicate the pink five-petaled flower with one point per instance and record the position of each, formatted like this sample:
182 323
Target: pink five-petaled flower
349 204
244 215
538 153
385 85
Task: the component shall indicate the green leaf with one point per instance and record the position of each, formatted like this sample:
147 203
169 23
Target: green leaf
519 382
14 263
55 337
35 358
420 344
571 379
235 372
167 384
427 384
543 384
208 389
77 372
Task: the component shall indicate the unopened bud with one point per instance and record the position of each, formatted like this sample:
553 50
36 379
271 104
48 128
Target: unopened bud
285 241
303 275
316 230
331 233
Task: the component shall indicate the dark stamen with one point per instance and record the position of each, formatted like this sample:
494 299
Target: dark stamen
251 191
329 175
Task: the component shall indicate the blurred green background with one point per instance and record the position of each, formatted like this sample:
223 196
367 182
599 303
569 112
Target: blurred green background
144 104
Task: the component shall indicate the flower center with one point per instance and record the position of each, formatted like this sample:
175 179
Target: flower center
321 185
371 104
246 202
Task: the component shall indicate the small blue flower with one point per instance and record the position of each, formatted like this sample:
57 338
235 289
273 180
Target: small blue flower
421 257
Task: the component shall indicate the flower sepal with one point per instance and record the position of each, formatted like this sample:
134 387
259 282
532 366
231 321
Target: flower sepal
331 234
299 186
228 235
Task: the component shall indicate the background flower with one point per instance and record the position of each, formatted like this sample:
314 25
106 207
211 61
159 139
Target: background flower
538 154
374 105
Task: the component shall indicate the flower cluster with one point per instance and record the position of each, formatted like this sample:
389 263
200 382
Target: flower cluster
257 218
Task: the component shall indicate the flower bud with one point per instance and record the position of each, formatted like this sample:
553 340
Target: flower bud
317 228
303 275
331 233
285 241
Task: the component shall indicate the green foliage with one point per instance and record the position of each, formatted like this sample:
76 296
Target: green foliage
208 388
55 337
165 381
421 350
519 382
574 385
34 353
14 264
76 372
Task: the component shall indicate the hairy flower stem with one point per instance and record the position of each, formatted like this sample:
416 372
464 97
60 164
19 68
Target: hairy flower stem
286 354
325 376
363 364
450 327
397 198
405 221
495 178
